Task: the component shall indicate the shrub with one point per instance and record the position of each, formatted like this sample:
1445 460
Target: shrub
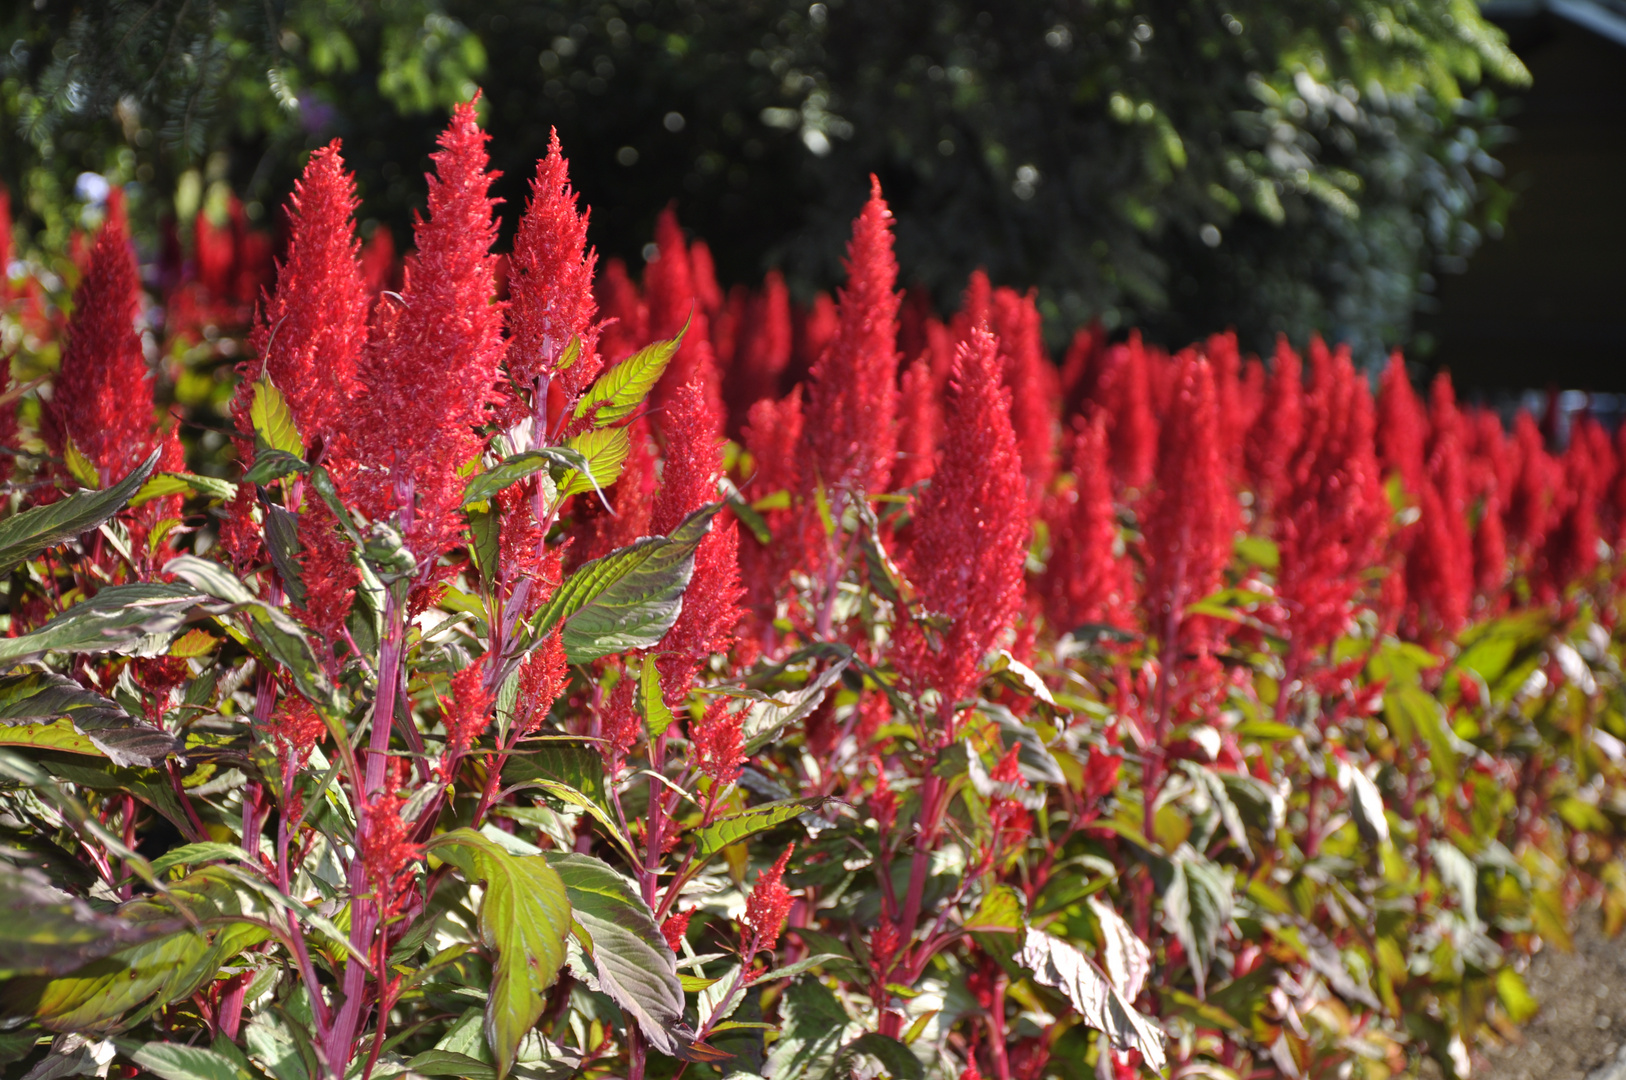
962 715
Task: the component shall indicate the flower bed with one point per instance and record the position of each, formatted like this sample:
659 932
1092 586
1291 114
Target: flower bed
635 680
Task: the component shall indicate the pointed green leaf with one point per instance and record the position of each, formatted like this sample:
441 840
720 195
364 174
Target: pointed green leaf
25 535
633 963
49 932
651 700
731 830
177 1061
605 452
524 918
273 421
183 483
512 470
815 1029
272 465
137 620
40 698
619 391
1057 964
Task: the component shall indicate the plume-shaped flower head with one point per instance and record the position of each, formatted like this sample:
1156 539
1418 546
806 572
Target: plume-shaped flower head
968 542
430 368
311 332
550 282
853 392
101 400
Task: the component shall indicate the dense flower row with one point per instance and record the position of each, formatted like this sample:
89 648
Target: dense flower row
1138 710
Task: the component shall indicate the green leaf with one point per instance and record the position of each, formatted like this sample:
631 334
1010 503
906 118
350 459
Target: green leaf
651 701
272 465
629 598
282 639
197 854
768 718
273 421
524 917
485 541
731 830
605 452
1057 964
619 391
896 1058
49 932
25 535
634 964
183 483
81 468
511 470
815 1029
1197 905
176 1061
282 541
40 698
447 1063
137 620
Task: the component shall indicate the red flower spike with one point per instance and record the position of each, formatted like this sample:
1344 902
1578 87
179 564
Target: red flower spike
551 282
1193 515
619 725
296 729
311 332
1490 549
703 271
1401 426
1526 513
1081 367
101 399
380 269
719 745
1274 438
1333 510
852 394
920 427
1124 395
767 906
469 713
976 307
542 678
694 461
1436 602
675 928
967 548
1085 581
772 436
625 317
762 350
430 370
386 853
1032 382
670 290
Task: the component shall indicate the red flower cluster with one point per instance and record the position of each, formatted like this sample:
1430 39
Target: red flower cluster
767 907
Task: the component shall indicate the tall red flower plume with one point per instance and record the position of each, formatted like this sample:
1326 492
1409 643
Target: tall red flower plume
772 436
550 282
1085 581
1490 548
1527 509
1401 426
1081 367
812 330
468 714
1032 382
704 272
1439 573
1274 437
1570 551
669 288
768 905
966 545
694 460
430 369
1193 514
719 744
379 267
852 396
310 334
762 350
625 325
101 400
1333 509
1124 394
920 426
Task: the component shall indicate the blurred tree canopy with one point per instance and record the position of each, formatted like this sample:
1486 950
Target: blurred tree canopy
1273 165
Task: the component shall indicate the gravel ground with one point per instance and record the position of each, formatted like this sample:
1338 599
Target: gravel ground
1580 1031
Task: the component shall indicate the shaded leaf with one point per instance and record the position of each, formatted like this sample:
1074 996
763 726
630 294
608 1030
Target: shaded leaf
137 620
524 917
731 830
46 931
40 698
24 535
766 719
619 391
816 1027
1057 964
634 964
177 1061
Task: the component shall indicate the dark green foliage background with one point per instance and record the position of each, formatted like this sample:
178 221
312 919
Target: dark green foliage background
1183 166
